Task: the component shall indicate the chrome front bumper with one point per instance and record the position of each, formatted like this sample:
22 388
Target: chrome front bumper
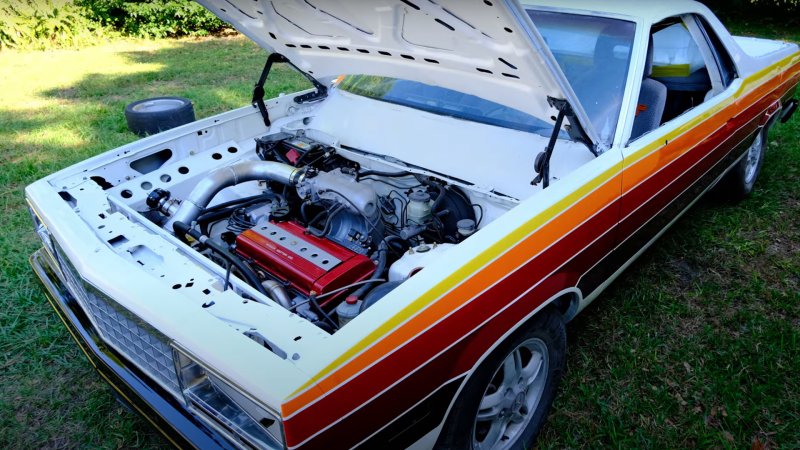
149 398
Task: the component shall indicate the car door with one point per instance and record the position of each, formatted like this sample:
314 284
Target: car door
703 129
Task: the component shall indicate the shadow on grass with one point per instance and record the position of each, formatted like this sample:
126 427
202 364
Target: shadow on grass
709 295
50 395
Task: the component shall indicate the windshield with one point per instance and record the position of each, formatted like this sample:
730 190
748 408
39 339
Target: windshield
442 101
594 53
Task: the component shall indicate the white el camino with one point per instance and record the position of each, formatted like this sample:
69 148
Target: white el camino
388 258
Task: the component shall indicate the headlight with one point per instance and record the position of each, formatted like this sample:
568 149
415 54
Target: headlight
224 407
42 231
217 400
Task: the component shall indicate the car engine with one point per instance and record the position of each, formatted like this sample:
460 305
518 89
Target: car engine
324 238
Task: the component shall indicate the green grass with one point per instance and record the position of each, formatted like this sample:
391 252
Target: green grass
698 345
58 108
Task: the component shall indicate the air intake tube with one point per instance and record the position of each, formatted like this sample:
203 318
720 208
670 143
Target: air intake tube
209 187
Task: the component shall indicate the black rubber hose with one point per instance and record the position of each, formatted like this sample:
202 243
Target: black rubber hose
312 298
213 214
238 202
182 230
378 173
439 198
328 223
378 293
382 251
398 240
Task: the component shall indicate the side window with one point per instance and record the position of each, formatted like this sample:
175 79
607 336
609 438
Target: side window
679 65
595 54
686 66
723 58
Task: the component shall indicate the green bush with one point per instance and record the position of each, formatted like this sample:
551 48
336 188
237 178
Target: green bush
778 11
153 18
44 24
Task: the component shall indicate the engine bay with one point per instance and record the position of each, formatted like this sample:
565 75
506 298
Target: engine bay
319 234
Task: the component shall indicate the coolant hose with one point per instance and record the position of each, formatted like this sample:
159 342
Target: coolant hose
378 173
182 231
382 251
439 198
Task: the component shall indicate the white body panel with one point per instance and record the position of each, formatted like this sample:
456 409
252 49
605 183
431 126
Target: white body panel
494 167
487 49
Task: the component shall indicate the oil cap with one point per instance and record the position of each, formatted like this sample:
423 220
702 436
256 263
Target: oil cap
466 227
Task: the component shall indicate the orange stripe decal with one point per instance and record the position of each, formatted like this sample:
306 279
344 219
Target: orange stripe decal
536 235
509 262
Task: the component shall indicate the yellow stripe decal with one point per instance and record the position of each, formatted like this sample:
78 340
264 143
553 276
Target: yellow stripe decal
486 257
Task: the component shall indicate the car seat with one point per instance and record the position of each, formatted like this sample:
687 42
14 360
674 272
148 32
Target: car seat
652 100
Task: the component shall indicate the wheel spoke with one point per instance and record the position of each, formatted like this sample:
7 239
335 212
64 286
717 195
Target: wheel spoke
518 417
512 368
492 400
493 436
488 415
534 367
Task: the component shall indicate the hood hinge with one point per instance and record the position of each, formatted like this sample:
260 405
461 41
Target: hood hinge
258 91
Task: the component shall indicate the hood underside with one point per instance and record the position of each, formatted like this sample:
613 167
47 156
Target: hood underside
489 49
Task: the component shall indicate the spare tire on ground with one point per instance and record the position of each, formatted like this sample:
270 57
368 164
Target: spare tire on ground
154 115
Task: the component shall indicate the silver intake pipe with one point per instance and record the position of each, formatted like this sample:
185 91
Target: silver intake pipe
209 187
277 293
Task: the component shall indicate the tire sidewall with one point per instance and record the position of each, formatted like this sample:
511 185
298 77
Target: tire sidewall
145 123
748 187
547 326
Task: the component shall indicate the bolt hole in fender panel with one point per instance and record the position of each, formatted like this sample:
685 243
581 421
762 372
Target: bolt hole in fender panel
170 418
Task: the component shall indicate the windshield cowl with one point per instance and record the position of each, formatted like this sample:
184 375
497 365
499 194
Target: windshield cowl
444 102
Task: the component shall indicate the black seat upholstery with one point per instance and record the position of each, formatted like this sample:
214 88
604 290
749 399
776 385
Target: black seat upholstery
652 100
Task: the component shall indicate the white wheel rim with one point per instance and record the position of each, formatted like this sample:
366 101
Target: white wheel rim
163 104
512 397
753 157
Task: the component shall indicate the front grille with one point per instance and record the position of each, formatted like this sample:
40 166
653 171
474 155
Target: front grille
140 343
144 346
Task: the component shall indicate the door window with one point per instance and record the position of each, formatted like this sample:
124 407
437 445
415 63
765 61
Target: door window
594 53
687 65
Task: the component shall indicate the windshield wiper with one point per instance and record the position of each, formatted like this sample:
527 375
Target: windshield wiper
575 131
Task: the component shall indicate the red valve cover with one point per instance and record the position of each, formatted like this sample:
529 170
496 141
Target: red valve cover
307 262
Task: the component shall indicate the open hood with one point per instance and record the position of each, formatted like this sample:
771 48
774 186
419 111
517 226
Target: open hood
489 49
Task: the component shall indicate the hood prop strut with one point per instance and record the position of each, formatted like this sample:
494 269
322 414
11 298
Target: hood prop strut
258 91
576 132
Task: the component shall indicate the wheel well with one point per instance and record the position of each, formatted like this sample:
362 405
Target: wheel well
567 305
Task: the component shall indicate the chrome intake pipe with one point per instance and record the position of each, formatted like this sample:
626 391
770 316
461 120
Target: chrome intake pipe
209 187
277 293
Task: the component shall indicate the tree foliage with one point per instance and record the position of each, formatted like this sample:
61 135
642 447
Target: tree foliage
153 18
57 23
43 24
786 11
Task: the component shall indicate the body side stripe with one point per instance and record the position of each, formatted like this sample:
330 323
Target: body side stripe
454 299
477 266
508 244
687 187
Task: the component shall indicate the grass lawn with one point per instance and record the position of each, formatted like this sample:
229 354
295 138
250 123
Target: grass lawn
698 345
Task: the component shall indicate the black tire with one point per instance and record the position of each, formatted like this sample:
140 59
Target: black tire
463 429
154 115
740 182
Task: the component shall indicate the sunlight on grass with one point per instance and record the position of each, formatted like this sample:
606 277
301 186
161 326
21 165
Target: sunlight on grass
693 347
32 73
58 108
